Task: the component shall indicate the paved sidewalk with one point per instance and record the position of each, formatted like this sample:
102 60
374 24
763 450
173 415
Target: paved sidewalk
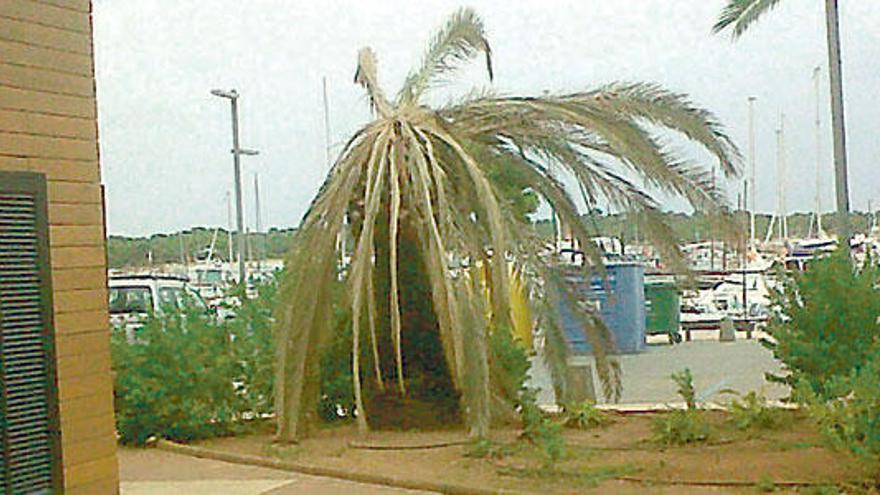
715 366
156 472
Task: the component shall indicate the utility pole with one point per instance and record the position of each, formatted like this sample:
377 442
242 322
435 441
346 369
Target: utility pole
229 224
837 121
232 96
750 190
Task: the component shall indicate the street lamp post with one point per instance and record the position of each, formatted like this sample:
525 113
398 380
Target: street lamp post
232 96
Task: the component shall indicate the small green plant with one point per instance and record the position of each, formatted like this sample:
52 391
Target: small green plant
585 415
753 412
541 430
685 381
765 484
680 428
486 449
821 490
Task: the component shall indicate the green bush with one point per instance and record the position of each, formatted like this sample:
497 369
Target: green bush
189 376
852 421
511 369
253 346
753 412
336 379
176 381
826 323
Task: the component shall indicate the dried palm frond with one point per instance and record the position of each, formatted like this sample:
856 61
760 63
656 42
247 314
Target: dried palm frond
438 173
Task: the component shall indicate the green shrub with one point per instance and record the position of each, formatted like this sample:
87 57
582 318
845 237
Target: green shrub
511 363
336 379
541 430
189 376
176 382
753 412
852 422
680 427
585 415
253 345
826 323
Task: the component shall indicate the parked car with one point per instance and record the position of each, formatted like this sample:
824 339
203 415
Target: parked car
134 297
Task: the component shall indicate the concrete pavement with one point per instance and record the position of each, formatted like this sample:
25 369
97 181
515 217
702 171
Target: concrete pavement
739 365
156 472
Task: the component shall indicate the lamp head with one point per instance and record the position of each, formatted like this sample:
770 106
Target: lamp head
231 94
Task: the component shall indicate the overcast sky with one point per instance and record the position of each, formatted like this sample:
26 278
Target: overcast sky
165 140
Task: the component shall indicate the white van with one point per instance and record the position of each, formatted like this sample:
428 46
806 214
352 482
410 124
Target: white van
134 297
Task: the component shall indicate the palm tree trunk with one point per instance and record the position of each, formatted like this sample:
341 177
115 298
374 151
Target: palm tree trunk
837 121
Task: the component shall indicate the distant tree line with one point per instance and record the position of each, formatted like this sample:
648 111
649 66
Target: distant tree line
190 245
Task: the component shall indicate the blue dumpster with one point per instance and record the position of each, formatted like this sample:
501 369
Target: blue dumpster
620 300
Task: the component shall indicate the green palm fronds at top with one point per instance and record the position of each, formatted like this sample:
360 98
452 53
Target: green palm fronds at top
738 15
438 180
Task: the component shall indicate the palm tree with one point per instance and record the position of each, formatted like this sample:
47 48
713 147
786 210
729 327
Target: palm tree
738 15
425 180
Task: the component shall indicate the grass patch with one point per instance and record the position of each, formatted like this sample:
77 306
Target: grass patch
765 484
588 477
680 428
584 416
754 413
487 449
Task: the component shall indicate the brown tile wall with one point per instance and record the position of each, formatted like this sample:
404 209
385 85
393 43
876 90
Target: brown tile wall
48 124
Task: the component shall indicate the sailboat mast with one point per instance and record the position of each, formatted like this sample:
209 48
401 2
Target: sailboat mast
818 213
783 214
750 190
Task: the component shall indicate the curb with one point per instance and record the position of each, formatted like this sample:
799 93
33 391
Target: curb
327 472
428 486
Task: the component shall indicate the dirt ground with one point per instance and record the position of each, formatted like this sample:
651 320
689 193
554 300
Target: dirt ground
619 458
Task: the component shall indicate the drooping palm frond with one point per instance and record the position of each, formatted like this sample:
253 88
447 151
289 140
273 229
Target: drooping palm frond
741 14
458 41
436 173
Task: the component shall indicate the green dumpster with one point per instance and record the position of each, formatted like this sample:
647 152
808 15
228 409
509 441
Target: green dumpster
662 311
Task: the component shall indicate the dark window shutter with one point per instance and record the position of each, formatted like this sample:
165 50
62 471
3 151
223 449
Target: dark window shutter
29 430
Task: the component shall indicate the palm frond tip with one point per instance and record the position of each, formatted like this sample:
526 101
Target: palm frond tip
741 14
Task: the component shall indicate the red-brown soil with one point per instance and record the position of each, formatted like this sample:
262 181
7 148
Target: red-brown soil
619 458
